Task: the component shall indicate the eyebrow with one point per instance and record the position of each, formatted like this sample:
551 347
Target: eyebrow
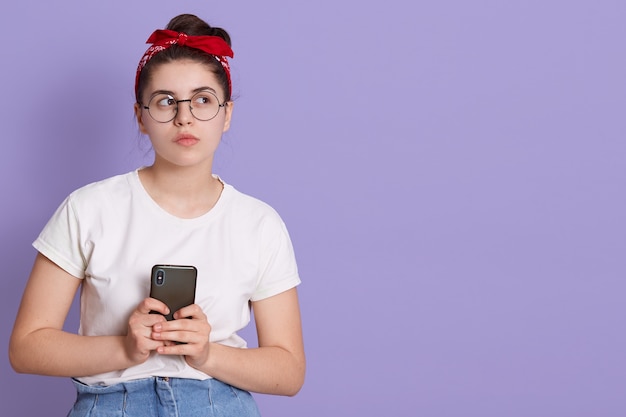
194 91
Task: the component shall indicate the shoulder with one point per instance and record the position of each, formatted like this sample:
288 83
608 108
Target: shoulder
246 203
103 192
251 210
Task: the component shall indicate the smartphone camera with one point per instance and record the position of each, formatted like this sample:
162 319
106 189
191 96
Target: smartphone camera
160 277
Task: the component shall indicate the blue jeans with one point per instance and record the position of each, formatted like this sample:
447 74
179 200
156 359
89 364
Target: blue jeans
163 397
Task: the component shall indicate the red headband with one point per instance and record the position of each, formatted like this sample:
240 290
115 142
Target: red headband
163 39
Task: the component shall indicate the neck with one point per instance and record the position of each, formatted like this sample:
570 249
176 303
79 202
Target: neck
185 192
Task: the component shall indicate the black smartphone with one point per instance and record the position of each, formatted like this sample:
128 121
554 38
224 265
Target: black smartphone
175 285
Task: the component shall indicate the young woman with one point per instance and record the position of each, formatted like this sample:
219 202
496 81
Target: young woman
106 236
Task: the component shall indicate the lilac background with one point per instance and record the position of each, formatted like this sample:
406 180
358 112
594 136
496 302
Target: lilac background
452 174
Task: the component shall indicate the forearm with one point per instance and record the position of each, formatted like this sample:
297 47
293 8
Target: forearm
54 352
267 370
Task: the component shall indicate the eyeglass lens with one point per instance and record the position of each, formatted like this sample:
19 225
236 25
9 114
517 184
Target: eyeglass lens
204 105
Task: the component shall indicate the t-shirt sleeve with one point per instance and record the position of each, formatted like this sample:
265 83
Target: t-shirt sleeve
278 268
60 240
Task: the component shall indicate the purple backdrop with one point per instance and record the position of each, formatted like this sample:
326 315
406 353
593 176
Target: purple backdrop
452 174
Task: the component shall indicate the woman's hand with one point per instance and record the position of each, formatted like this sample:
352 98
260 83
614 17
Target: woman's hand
139 341
190 328
278 365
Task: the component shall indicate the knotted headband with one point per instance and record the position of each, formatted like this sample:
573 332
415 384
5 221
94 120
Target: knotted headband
162 39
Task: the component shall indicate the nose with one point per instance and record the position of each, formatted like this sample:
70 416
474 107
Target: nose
183 112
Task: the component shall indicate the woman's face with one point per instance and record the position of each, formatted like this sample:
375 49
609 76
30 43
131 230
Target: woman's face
185 140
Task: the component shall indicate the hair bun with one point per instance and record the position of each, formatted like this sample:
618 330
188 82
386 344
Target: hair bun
192 25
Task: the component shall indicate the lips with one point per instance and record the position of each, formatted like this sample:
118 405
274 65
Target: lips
186 140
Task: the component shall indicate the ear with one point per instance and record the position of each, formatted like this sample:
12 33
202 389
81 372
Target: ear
139 116
228 110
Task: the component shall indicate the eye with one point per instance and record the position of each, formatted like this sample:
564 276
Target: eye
164 101
204 98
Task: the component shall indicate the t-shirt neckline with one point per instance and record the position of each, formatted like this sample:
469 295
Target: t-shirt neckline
153 205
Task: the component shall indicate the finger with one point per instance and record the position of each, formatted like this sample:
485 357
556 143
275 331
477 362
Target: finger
152 304
175 326
175 338
170 337
173 349
183 331
141 325
192 311
138 320
147 345
151 320
190 334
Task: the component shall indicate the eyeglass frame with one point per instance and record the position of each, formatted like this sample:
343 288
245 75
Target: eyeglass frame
187 100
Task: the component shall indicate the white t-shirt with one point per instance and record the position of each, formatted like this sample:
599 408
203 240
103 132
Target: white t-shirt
110 234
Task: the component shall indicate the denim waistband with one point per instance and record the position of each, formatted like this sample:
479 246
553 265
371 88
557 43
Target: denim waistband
163 396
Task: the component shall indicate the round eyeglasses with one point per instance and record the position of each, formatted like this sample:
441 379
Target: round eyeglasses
204 106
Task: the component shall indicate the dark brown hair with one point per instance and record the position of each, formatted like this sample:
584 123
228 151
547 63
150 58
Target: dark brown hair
192 26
